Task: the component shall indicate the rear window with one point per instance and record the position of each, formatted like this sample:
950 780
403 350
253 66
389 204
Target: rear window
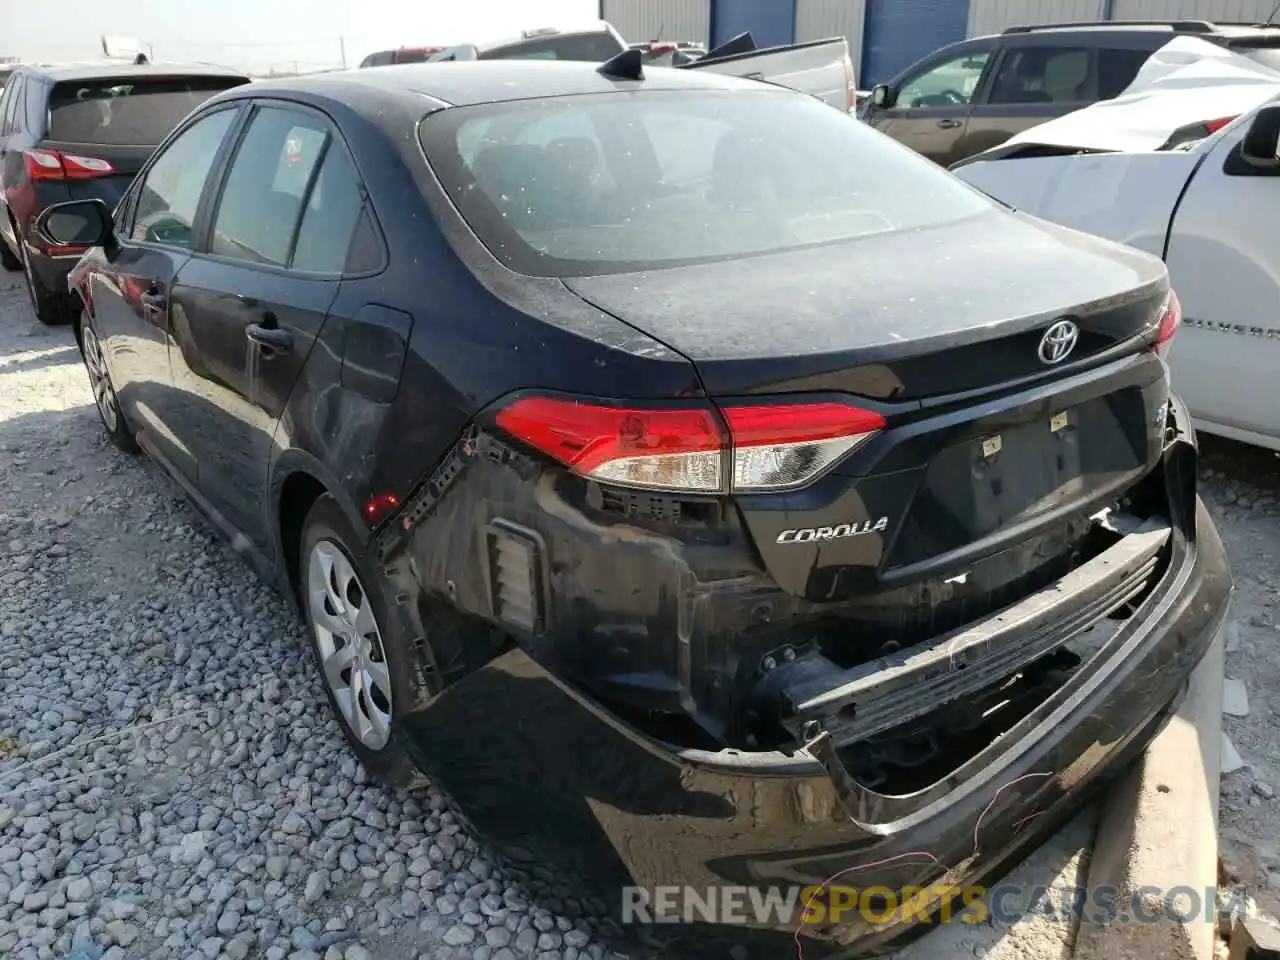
414 56
127 111
591 47
610 183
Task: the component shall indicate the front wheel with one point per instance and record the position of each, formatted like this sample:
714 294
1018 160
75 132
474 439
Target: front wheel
104 394
360 649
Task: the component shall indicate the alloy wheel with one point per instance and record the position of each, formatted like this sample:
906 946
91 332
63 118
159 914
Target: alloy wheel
349 642
103 394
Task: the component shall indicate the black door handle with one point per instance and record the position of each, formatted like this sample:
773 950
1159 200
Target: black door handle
273 338
948 124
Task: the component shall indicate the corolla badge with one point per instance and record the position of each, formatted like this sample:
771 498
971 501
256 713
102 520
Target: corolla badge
1058 341
838 532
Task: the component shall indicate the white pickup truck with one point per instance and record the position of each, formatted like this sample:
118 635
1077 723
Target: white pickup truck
1185 165
820 68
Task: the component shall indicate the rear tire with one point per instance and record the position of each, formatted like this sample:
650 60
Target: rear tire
50 306
8 259
362 651
104 394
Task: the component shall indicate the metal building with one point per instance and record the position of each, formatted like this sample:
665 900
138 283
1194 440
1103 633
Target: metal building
886 36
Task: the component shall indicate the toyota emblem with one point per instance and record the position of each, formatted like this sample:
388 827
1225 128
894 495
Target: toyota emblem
1058 341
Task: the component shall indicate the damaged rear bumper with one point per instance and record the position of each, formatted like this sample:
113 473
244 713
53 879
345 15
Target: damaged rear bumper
539 766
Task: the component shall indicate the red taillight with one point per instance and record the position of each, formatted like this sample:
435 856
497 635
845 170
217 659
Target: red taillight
1170 319
776 447
51 165
769 447
851 83
1213 126
643 447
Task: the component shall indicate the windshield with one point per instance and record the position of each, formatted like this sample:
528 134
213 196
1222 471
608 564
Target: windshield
609 183
127 112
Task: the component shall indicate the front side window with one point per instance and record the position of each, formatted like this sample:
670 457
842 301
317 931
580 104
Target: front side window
262 198
609 183
1046 75
949 84
165 211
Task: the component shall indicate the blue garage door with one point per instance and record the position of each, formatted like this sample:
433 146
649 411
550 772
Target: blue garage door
899 32
771 22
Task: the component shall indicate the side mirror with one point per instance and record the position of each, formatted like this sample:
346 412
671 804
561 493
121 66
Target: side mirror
76 223
1261 144
881 96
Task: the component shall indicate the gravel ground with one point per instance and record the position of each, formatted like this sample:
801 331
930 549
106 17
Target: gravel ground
172 785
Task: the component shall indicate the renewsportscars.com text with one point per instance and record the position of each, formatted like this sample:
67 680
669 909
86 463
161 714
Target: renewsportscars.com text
1006 904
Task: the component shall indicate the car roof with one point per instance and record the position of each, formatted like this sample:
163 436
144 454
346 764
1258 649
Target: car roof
105 69
471 82
1202 28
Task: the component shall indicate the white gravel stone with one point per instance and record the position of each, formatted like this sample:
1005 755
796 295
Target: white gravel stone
1231 759
1235 698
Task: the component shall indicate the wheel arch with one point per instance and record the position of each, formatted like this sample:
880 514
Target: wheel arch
298 480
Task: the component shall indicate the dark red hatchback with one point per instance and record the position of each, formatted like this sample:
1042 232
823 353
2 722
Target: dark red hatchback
80 132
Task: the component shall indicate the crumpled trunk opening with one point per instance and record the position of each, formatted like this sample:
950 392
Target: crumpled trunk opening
918 734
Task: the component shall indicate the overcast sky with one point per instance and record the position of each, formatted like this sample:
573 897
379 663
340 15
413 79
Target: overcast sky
259 34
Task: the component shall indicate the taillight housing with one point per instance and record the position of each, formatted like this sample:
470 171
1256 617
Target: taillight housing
743 448
1192 133
43 164
1170 320
851 85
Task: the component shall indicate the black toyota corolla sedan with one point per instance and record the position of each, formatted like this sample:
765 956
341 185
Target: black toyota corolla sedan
709 492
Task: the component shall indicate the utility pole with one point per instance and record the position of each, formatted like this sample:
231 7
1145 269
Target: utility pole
342 49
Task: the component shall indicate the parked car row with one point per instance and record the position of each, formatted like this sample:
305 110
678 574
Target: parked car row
592 459
821 68
974 95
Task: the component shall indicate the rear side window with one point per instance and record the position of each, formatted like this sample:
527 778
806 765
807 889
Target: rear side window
329 220
262 198
1046 75
591 47
127 111
14 114
608 183
1117 69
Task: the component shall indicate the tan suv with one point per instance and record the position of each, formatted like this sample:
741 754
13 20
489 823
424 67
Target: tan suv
975 94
